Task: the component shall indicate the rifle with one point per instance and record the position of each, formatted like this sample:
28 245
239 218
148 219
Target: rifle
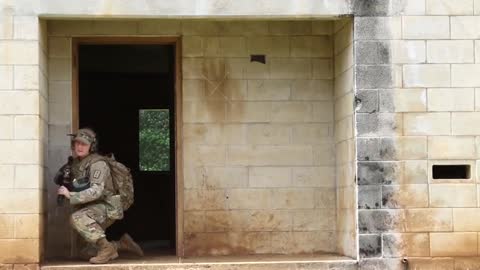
64 178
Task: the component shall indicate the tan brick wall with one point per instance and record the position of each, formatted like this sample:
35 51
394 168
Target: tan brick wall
22 138
432 98
259 144
344 138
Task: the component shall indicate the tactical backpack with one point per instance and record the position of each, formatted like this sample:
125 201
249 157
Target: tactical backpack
122 180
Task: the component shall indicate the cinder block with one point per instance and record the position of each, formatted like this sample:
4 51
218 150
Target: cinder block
441 195
414 7
193 46
450 51
346 198
374 77
426 27
343 36
451 147
321 69
367 101
302 242
379 124
268 134
196 199
429 220
7 226
114 27
204 112
69 28
415 172
290 68
462 123
313 176
314 220
406 244
6 27
293 111
19 52
29 176
453 244
325 197
322 27
293 28
292 198
265 177
374 221
20 152
324 153
451 99
193 221
416 124
403 100
20 251
405 196
311 133
26 27
344 83
344 106
465 27
449 7
270 46
249 112
60 69
311 46
408 51
159 27
463 75
6 77
373 52
251 198
312 90
7 130
28 226
370 197
344 129
27 127
428 75
343 60
378 149
26 201
268 89
377 28
463 221
265 220
225 47
374 173
263 155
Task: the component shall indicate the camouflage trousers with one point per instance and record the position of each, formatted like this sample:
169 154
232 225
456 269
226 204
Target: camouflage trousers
91 221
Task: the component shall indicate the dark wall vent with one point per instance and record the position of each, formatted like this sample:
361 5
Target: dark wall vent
460 171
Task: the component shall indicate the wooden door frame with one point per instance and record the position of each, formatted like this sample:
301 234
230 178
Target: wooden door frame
163 40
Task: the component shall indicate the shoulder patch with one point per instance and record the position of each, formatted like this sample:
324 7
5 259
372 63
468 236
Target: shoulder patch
96 174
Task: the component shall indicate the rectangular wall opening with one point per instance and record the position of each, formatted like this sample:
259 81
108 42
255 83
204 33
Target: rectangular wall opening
457 171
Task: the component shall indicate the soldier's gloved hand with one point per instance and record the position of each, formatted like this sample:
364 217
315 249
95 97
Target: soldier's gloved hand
63 191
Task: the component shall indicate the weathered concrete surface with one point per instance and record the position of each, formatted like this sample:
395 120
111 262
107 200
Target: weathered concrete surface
181 8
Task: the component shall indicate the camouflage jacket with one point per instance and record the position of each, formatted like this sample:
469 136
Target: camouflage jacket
101 187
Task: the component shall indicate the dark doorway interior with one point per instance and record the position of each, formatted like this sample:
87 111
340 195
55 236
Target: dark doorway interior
120 86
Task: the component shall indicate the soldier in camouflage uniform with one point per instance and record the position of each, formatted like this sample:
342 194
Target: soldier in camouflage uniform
98 206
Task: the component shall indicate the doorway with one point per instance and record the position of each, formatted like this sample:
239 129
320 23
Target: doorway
126 92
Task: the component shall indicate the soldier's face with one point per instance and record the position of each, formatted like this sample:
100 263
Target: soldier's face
81 149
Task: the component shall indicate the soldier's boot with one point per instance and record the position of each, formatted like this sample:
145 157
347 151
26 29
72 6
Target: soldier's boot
106 252
126 243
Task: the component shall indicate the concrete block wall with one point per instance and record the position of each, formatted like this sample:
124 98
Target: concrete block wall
22 138
259 158
416 76
344 138
258 138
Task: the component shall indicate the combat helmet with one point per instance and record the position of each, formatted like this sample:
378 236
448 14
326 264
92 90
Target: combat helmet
87 136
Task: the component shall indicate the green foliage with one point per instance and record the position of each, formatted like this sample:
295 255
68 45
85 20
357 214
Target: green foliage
154 140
